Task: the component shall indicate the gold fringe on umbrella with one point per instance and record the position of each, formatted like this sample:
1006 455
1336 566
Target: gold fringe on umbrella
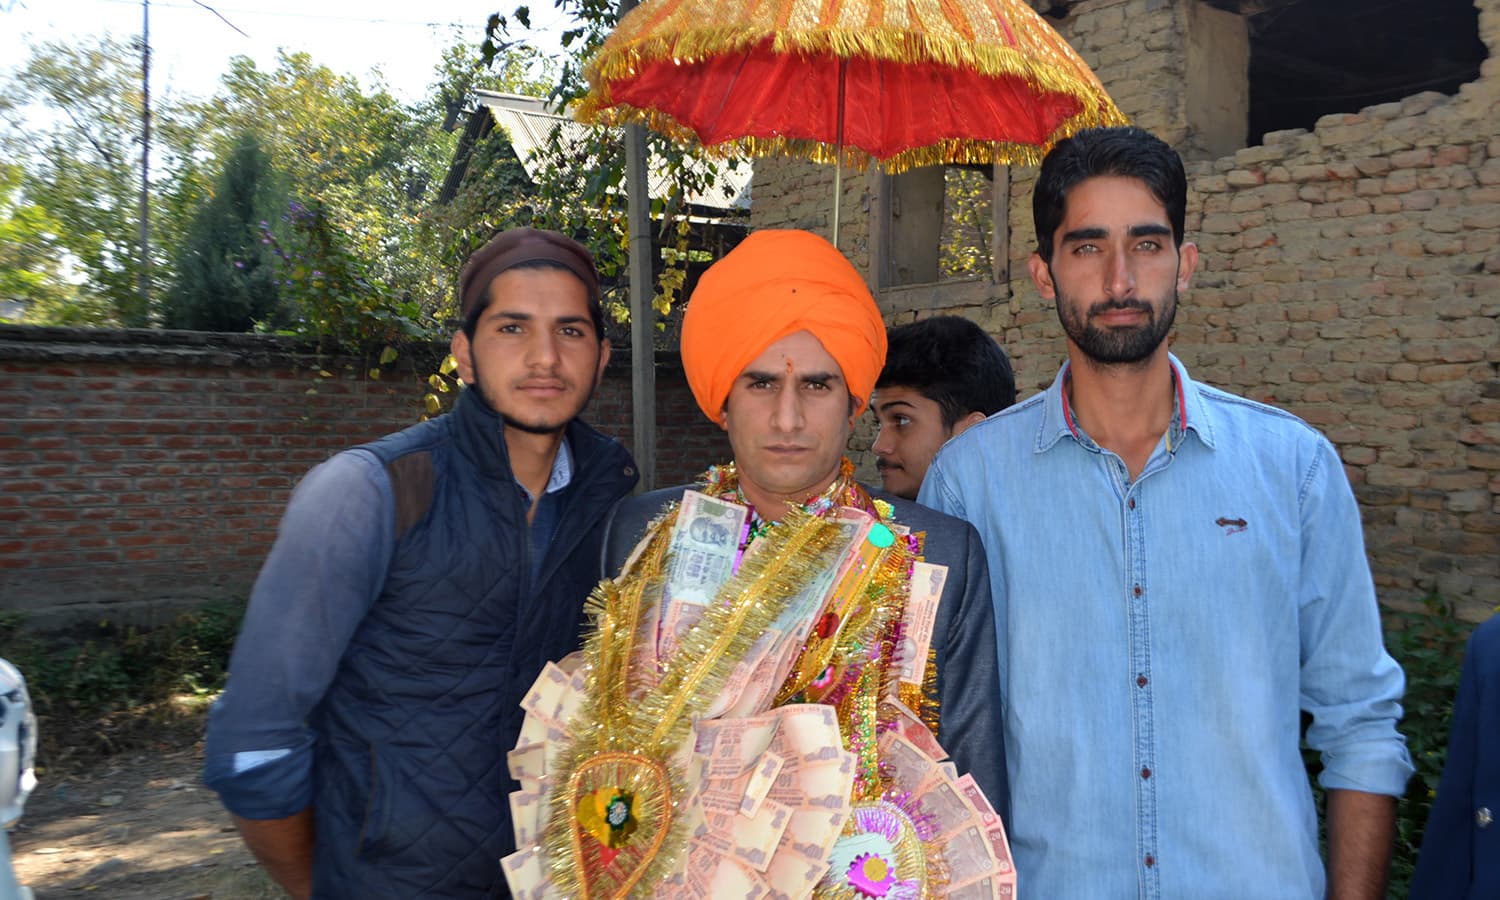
993 38
947 152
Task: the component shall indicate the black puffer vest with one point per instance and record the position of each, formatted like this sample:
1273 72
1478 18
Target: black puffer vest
413 733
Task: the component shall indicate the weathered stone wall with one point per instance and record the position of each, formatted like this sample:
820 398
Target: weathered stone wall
146 470
1350 274
791 193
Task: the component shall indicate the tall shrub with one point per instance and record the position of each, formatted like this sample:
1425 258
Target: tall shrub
225 277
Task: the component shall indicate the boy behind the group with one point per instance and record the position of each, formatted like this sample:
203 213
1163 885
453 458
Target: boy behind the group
941 375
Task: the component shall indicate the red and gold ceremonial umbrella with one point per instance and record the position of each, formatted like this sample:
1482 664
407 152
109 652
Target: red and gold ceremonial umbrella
902 82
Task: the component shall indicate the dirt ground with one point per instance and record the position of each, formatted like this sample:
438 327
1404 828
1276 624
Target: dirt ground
135 827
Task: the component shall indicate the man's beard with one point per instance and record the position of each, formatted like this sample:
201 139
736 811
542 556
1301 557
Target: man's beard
1117 346
529 426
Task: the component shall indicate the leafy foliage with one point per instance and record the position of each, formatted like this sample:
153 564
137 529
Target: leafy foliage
359 158
1429 645
334 294
968 222
592 21
225 280
83 165
30 261
364 160
323 129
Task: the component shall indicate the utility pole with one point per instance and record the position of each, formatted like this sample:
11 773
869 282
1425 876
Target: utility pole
642 315
143 277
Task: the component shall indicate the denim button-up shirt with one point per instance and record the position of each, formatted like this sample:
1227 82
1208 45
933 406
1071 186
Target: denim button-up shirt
1159 638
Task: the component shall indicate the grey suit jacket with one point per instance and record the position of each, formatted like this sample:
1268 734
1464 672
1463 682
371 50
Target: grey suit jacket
968 682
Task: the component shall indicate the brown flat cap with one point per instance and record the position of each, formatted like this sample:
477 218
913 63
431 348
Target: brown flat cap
511 248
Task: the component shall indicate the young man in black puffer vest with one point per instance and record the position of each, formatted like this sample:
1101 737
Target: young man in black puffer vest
417 586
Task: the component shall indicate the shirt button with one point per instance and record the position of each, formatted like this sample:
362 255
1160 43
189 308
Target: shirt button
1140 681
1150 861
1482 817
1145 773
1132 503
1136 590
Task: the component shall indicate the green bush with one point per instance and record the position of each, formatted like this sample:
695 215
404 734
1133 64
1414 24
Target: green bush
1429 645
226 275
88 682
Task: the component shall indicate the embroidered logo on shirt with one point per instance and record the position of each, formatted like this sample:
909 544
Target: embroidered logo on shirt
1231 526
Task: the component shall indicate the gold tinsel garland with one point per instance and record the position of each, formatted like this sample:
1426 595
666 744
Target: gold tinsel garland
627 736
637 740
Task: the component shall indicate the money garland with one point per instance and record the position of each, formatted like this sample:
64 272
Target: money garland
846 662
771 737
884 854
615 823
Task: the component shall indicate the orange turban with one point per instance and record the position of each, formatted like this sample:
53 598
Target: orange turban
777 283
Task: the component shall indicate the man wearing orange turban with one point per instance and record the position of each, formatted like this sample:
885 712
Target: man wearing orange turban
774 284
782 343
742 581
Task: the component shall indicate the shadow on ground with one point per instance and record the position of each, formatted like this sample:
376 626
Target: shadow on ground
137 827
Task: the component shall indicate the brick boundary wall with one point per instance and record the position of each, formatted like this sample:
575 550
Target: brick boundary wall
144 471
1350 273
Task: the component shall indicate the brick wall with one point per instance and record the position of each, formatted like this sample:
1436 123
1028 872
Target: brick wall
1350 274
140 467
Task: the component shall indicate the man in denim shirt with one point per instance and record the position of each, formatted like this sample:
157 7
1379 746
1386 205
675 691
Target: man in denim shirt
417 586
1178 574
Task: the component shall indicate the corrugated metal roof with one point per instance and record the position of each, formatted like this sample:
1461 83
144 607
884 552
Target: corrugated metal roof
530 123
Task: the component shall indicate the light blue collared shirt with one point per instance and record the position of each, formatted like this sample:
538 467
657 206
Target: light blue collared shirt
560 477
1158 640
549 510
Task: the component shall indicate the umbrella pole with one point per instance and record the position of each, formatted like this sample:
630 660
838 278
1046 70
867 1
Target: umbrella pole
838 190
838 154
642 316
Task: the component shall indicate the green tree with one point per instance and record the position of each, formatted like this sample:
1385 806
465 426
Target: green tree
81 162
360 161
333 295
322 129
361 168
968 222
226 277
579 186
31 268
495 187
